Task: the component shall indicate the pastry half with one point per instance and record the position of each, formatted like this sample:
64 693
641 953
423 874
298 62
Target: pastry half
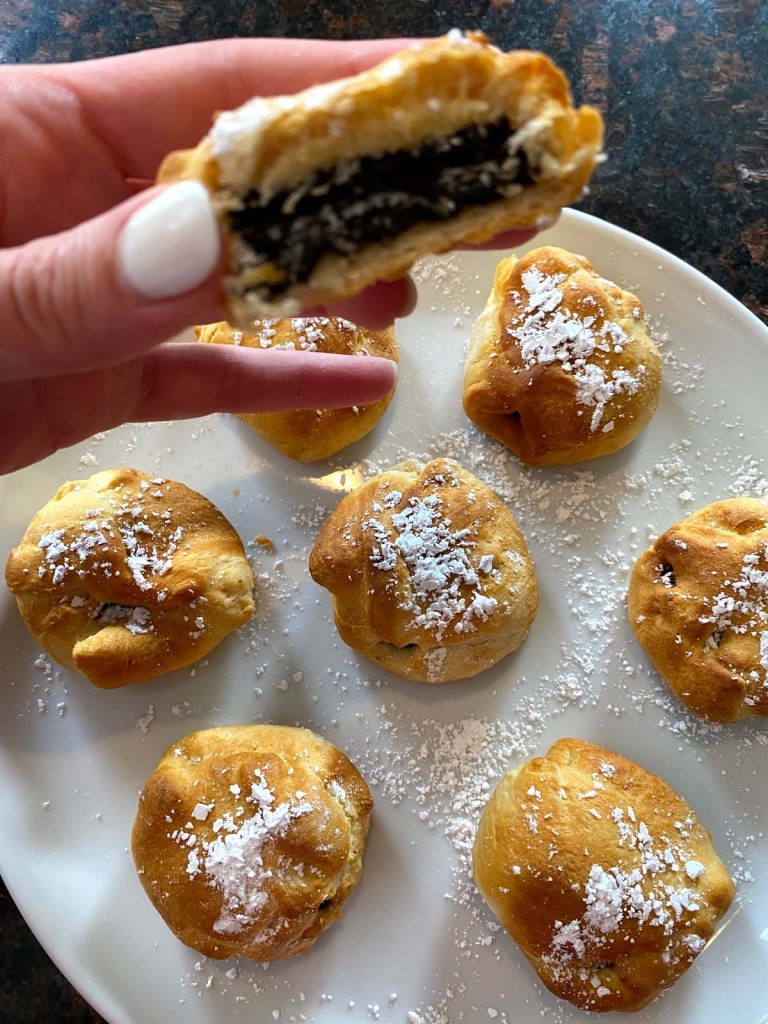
249 839
601 873
698 605
311 434
560 365
125 576
429 572
325 192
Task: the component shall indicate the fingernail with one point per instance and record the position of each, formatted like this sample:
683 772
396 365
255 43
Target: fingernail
544 223
395 371
171 245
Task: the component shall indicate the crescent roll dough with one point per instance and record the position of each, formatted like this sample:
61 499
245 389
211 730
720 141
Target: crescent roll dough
429 572
560 366
698 605
249 838
322 193
124 576
602 875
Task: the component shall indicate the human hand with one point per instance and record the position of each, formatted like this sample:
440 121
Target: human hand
98 269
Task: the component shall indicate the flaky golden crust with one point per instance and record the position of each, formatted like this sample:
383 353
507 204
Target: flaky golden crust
123 577
579 378
429 572
249 839
309 434
427 91
601 873
698 605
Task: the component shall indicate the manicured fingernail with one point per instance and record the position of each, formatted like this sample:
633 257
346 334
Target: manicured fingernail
543 223
172 244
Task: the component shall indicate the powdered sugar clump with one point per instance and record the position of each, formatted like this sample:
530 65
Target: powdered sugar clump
594 388
232 862
309 331
745 596
651 892
549 334
438 563
123 527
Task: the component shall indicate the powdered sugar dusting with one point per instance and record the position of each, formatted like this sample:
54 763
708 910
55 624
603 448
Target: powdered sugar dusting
594 388
548 334
232 861
650 893
129 528
745 598
439 565
309 333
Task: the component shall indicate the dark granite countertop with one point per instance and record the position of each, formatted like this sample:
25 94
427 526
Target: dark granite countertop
683 85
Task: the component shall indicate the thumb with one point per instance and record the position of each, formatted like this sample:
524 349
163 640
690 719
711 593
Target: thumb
111 288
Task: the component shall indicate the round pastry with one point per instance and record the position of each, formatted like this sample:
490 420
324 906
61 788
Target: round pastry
249 839
560 367
429 572
324 192
698 604
601 874
311 434
123 576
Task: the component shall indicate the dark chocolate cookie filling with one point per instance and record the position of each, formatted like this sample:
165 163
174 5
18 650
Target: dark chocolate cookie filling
374 199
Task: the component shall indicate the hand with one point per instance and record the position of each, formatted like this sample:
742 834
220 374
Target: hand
98 269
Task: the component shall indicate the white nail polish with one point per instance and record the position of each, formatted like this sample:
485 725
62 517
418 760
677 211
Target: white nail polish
172 244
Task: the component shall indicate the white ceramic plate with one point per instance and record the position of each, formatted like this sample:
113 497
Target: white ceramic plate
414 935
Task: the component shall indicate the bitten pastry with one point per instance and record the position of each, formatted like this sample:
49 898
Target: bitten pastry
124 576
311 434
322 193
429 572
560 366
601 874
249 839
698 604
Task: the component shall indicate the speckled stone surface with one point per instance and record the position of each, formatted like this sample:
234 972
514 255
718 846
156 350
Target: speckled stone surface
683 85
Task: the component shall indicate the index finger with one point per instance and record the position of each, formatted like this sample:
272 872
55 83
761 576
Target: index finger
142 105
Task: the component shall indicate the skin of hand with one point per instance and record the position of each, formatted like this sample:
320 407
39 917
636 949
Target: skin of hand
98 268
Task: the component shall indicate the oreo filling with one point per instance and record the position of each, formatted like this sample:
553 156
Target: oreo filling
375 199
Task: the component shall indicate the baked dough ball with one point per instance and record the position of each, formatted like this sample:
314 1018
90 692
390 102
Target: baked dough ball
347 183
311 434
429 572
560 367
698 604
124 576
601 874
249 839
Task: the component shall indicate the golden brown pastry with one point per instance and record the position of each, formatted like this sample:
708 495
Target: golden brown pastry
124 576
429 572
249 839
601 874
560 367
322 193
698 604
311 434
